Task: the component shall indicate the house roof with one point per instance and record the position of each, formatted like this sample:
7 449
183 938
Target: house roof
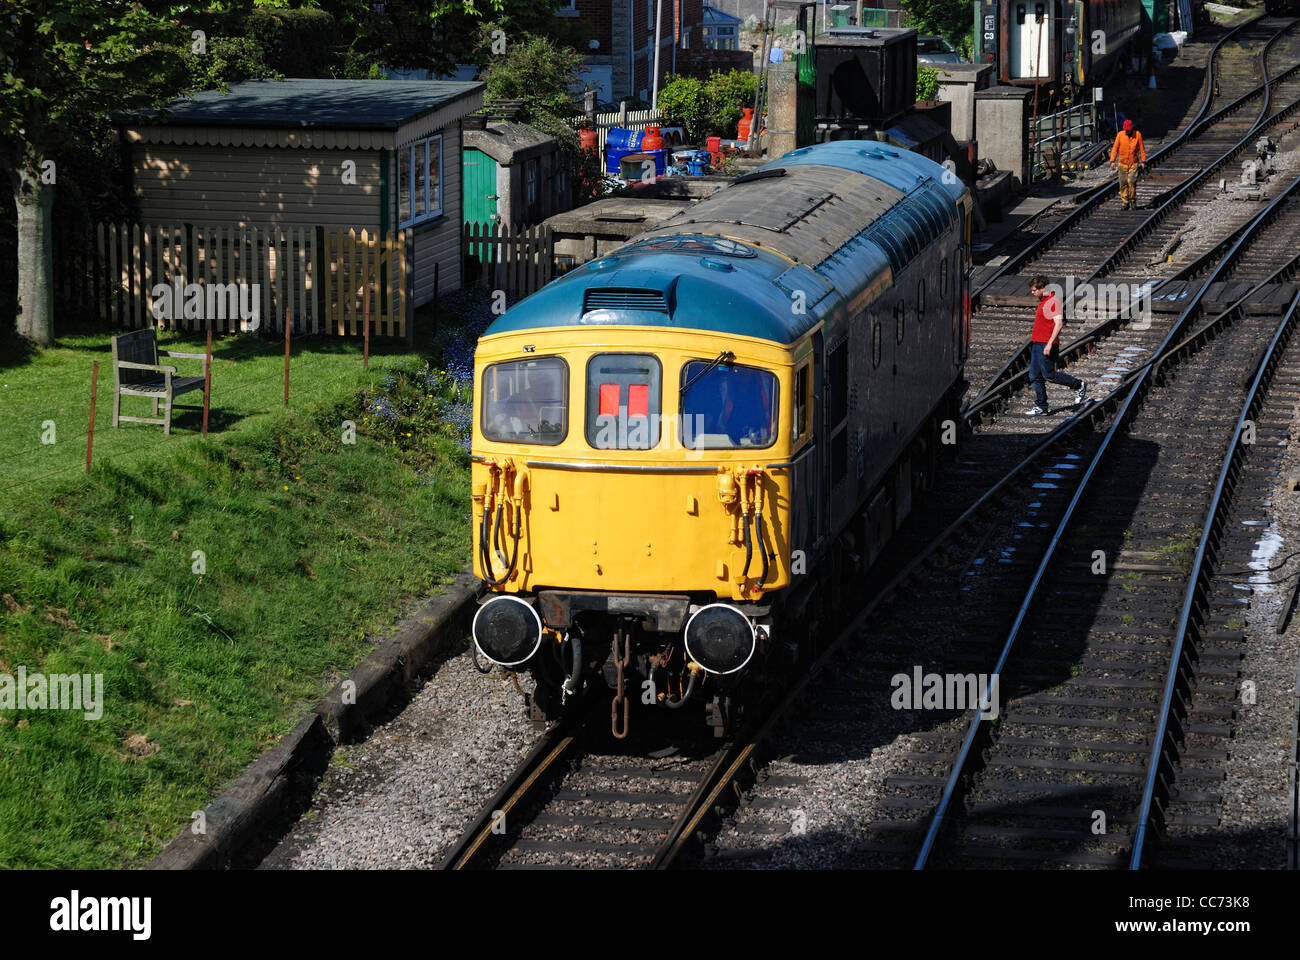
507 141
318 104
713 17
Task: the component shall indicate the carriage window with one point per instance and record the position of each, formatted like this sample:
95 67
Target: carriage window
524 401
943 279
920 301
730 406
875 343
900 320
623 405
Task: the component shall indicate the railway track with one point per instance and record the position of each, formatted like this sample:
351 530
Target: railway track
582 803
1098 241
918 634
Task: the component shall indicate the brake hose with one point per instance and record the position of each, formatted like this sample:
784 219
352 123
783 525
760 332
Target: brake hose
485 538
762 547
749 548
690 689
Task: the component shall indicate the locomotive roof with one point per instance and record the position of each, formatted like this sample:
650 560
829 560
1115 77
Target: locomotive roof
838 215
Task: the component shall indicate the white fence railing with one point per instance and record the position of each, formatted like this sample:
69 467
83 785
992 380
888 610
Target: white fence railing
629 119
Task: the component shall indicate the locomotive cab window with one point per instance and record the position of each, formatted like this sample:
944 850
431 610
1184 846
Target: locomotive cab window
802 401
525 401
727 406
623 401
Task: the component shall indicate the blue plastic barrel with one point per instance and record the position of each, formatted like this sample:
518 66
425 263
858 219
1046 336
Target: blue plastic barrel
621 138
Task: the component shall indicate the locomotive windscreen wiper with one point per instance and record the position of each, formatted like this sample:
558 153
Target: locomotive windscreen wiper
726 356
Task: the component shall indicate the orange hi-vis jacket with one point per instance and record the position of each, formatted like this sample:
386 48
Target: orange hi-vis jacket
1128 148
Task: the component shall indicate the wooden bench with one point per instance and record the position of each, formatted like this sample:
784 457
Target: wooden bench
137 373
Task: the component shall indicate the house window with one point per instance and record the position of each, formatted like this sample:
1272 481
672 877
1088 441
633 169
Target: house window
530 182
419 181
650 13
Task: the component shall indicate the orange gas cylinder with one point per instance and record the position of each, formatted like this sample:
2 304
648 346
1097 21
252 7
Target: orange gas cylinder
653 139
746 121
588 140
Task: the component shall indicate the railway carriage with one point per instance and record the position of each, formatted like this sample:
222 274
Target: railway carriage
684 449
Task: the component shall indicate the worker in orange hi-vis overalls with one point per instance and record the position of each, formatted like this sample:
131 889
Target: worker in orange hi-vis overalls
1131 156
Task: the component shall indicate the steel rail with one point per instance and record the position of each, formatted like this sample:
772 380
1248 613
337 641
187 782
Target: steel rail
1079 212
1141 380
1018 361
1010 375
1163 746
555 746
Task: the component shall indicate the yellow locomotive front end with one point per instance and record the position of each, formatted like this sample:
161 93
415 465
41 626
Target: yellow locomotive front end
634 468
631 492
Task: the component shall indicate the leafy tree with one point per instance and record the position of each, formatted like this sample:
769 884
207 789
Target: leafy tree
950 19
541 75
67 64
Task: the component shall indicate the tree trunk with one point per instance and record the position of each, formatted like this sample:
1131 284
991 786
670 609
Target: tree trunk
33 201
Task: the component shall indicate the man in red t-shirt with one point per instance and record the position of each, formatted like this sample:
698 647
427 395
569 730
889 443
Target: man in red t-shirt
1042 361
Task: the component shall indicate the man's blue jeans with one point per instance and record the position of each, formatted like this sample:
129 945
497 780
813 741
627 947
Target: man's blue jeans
1043 368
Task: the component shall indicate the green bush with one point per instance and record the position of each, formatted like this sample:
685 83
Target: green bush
927 83
729 93
711 107
683 101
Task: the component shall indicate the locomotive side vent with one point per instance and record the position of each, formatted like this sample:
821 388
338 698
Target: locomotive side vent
614 298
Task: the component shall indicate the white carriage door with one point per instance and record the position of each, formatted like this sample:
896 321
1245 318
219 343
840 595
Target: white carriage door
1030 31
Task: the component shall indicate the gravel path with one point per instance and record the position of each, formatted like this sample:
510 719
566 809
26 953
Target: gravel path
401 797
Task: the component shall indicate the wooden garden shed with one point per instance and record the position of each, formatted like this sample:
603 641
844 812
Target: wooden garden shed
382 156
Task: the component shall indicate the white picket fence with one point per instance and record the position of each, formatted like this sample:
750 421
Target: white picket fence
623 118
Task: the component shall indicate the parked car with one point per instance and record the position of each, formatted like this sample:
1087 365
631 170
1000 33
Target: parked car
1164 48
932 51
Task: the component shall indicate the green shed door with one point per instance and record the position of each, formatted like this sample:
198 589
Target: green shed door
480 172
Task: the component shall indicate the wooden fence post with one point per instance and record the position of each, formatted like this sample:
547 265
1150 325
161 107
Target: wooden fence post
90 436
365 295
207 385
287 327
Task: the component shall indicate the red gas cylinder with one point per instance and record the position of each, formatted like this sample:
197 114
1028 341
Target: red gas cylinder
746 121
653 140
588 140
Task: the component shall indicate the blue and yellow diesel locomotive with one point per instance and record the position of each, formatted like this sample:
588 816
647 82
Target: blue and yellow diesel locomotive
685 449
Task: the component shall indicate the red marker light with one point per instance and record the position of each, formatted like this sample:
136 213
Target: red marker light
609 400
638 400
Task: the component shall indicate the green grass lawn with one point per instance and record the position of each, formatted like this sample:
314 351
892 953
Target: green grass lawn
308 545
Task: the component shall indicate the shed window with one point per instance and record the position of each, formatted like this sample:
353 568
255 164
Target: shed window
419 181
530 182
524 401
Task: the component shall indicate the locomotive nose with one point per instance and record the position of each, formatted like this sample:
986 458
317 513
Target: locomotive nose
507 631
720 638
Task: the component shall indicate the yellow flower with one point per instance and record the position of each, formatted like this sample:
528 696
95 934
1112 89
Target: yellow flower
286 488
